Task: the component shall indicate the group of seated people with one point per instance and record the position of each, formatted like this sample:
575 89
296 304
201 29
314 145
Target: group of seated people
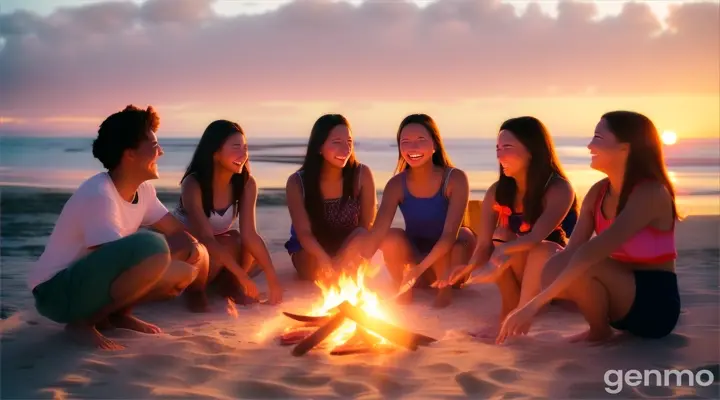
613 256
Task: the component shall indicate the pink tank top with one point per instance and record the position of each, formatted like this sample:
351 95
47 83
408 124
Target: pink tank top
648 246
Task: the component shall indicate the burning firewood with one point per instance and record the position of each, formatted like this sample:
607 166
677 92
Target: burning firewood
390 332
319 335
346 349
295 335
308 319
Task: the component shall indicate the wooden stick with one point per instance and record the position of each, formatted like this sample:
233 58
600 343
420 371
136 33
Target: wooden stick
390 332
319 335
344 350
310 319
294 335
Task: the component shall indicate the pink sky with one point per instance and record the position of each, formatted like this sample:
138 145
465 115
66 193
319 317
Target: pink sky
472 64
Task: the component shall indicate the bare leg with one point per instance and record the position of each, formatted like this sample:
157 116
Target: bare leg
397 253
131 286
459 254
606 293
530 279
195 296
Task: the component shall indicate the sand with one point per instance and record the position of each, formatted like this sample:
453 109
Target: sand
217 356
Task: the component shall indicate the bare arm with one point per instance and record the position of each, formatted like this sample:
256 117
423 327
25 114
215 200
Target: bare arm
368 198
643 207
301 220
248 230
392 195
488 220
200 227
459 194
558 200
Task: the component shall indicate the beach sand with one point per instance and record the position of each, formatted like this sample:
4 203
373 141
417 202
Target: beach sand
218 356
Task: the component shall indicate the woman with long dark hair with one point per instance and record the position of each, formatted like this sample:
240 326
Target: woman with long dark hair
432 196
526 215
624 277
217 205
331 200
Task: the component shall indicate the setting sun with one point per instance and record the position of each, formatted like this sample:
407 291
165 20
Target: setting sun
668 137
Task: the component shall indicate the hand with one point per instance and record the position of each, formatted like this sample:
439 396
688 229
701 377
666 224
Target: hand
518 321
410 276
249 288
326 272
275 292
458 273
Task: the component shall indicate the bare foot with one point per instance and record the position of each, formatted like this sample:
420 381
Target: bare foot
127 321
197 301
85 334
443 298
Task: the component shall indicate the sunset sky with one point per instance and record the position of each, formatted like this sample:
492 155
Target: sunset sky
274 66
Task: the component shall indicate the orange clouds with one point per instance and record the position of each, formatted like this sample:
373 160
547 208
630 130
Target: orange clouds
89 60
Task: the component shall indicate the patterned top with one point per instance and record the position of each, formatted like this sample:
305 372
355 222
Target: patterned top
340 218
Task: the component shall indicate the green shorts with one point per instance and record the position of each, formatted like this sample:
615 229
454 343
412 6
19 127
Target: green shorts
82 289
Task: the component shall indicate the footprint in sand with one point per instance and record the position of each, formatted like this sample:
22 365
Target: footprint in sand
595 390
178 333
98 366
473 386
389 386
349 389
305 380
226 333
264 390
32 322
504 375
569 368
201 374
441 368
220 360
158 361
210 344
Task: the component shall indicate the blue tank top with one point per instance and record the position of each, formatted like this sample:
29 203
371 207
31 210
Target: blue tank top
425 216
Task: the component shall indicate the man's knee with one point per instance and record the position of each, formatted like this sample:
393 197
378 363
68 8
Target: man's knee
148 243
177 277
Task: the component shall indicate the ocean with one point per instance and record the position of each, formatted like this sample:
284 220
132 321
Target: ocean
62 163
37 175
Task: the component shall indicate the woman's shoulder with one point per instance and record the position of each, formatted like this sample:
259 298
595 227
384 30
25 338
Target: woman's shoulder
189 182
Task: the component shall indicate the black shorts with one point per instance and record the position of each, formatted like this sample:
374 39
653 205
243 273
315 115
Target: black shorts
656 308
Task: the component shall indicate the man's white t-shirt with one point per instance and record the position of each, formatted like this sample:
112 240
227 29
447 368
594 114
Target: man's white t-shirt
95 214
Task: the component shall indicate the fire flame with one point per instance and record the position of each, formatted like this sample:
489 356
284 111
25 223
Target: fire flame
353 290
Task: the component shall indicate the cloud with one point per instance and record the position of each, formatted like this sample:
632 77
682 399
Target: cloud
79 60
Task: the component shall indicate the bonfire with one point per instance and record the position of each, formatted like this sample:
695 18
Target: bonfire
350 319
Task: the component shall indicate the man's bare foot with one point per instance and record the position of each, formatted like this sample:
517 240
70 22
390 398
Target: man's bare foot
127 321
85 334
197 301
443 298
